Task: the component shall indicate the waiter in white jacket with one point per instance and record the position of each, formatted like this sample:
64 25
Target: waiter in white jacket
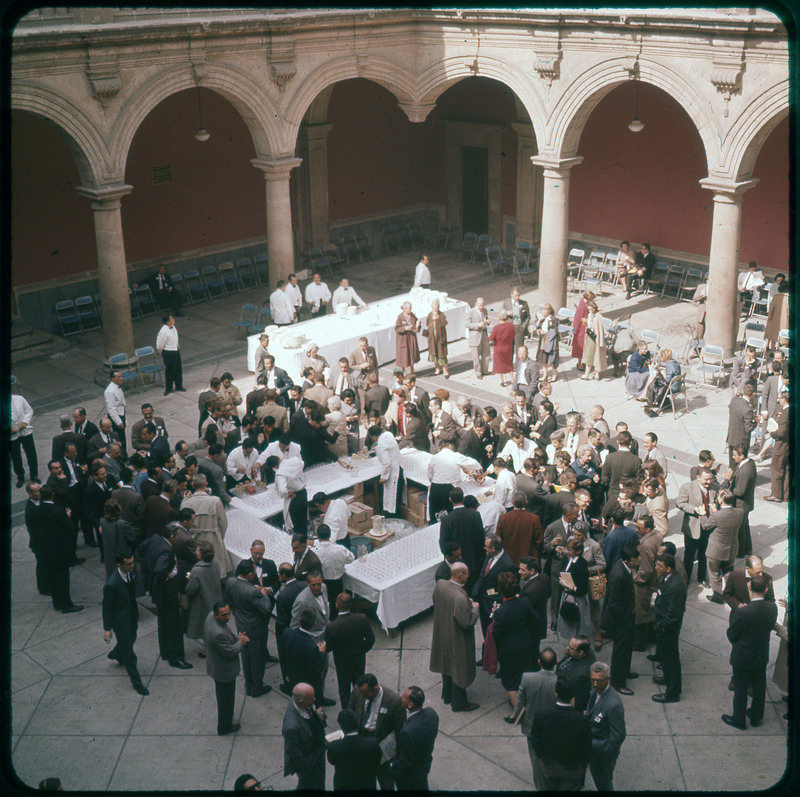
444 472
167 347
388 454
290 484
317 295
115 407
280 306
422 275
22 439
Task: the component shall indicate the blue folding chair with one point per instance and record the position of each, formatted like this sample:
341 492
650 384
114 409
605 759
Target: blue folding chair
145 367
126 367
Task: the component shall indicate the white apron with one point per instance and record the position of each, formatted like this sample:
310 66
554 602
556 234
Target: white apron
388 454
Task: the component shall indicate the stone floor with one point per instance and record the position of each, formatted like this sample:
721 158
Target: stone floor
75 715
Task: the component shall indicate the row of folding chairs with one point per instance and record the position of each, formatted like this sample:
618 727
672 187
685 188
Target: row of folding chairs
141 369
75 316
402 237
253 319
349 249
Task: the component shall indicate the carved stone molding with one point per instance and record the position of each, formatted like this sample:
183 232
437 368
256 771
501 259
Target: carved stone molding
281 58
548 57
417 112
727 69
102 73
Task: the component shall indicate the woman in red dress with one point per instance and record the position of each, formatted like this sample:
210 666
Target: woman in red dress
579 327
502 338
407 348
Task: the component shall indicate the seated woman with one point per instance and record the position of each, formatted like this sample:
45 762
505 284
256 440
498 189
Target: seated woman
638 372
626 266
668 369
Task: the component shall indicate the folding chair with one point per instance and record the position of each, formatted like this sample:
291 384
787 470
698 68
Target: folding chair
390 239
755 327
565 317
679 381
145 301
442 237
657 278
126 366
145 368
403 237
261 265
673 281
68 321
195 287
482 243
230 278
495 259
711 362
247 273
651 337
693 278
247 320
318 260
263 320
349 245
87 313
575 265
693 344
415 233
334 255
213 282
364 246
468 246
608 271
521 260
760 304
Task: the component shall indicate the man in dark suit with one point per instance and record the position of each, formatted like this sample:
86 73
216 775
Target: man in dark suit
130 501
415 741
376 397
349 638
285 596
520 314
443 427
97 444
159 451
741 480
68 436
576 664
304 740
607 716
82 424
55 542
416 395
35 535
668 611
157 510
485 591
97 492
555 538
562 740
614 444
779 463
251 607
619 617
749 634
305 560
379 712
535 586
451 556
312 445
741 422
303 653
526 374
355 758
164 290
723 542
265 574
619 464
277 379
416 429
464 526
121 617
222 663
162 568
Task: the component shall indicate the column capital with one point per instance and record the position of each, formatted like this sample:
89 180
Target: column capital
727 190
556 167
417 111
276 169
106 197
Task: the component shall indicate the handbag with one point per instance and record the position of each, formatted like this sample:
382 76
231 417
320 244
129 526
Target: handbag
598 584
591 334
569 610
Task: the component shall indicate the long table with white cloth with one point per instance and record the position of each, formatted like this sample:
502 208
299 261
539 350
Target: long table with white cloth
337 335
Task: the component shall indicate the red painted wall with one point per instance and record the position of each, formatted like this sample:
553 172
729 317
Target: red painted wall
765 211
216 195
52 234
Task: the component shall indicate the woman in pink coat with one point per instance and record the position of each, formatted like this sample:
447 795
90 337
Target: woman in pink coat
579 327
406 328
502 338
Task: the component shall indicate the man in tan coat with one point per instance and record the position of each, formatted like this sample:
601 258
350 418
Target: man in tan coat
453 642
271 408
657 505
210 520
645 580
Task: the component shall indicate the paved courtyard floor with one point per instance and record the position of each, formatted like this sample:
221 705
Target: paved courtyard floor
75 715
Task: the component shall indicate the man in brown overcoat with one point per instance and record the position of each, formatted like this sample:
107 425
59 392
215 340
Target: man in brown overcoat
644 580
453 642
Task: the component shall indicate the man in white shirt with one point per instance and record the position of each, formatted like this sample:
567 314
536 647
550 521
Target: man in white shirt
750 281
22 438
282 448
444 472
333 558
115 407
281 307
344 294
294 293
572 433
317 295
290 484
240 462
335 516
518 448
506 484
422 275
167 347
650 442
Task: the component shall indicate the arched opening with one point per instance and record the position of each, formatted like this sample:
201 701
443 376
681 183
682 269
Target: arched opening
641 186
52 235
189 194
765 210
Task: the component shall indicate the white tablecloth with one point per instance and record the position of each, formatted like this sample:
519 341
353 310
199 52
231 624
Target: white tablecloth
415 469
337 336
399 577
244 527
328 478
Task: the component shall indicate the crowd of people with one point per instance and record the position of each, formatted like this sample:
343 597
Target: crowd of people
571 542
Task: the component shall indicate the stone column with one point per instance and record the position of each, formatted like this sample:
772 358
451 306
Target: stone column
312 142
529 186
112 268
722 305
280 244
555 228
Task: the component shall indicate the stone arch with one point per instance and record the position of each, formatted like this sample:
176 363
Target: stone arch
751 129
245 94
582 96
439 77
317 112
80 135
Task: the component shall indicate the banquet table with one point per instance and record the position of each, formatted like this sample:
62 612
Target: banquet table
244 527
415 469
337 336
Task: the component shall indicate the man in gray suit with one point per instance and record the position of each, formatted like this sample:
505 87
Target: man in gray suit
222 663
537 690
607 714
251 608
304 740
695 500
741 421
315 597
478 338
723 544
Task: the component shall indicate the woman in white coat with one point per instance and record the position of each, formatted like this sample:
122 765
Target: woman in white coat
388 453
